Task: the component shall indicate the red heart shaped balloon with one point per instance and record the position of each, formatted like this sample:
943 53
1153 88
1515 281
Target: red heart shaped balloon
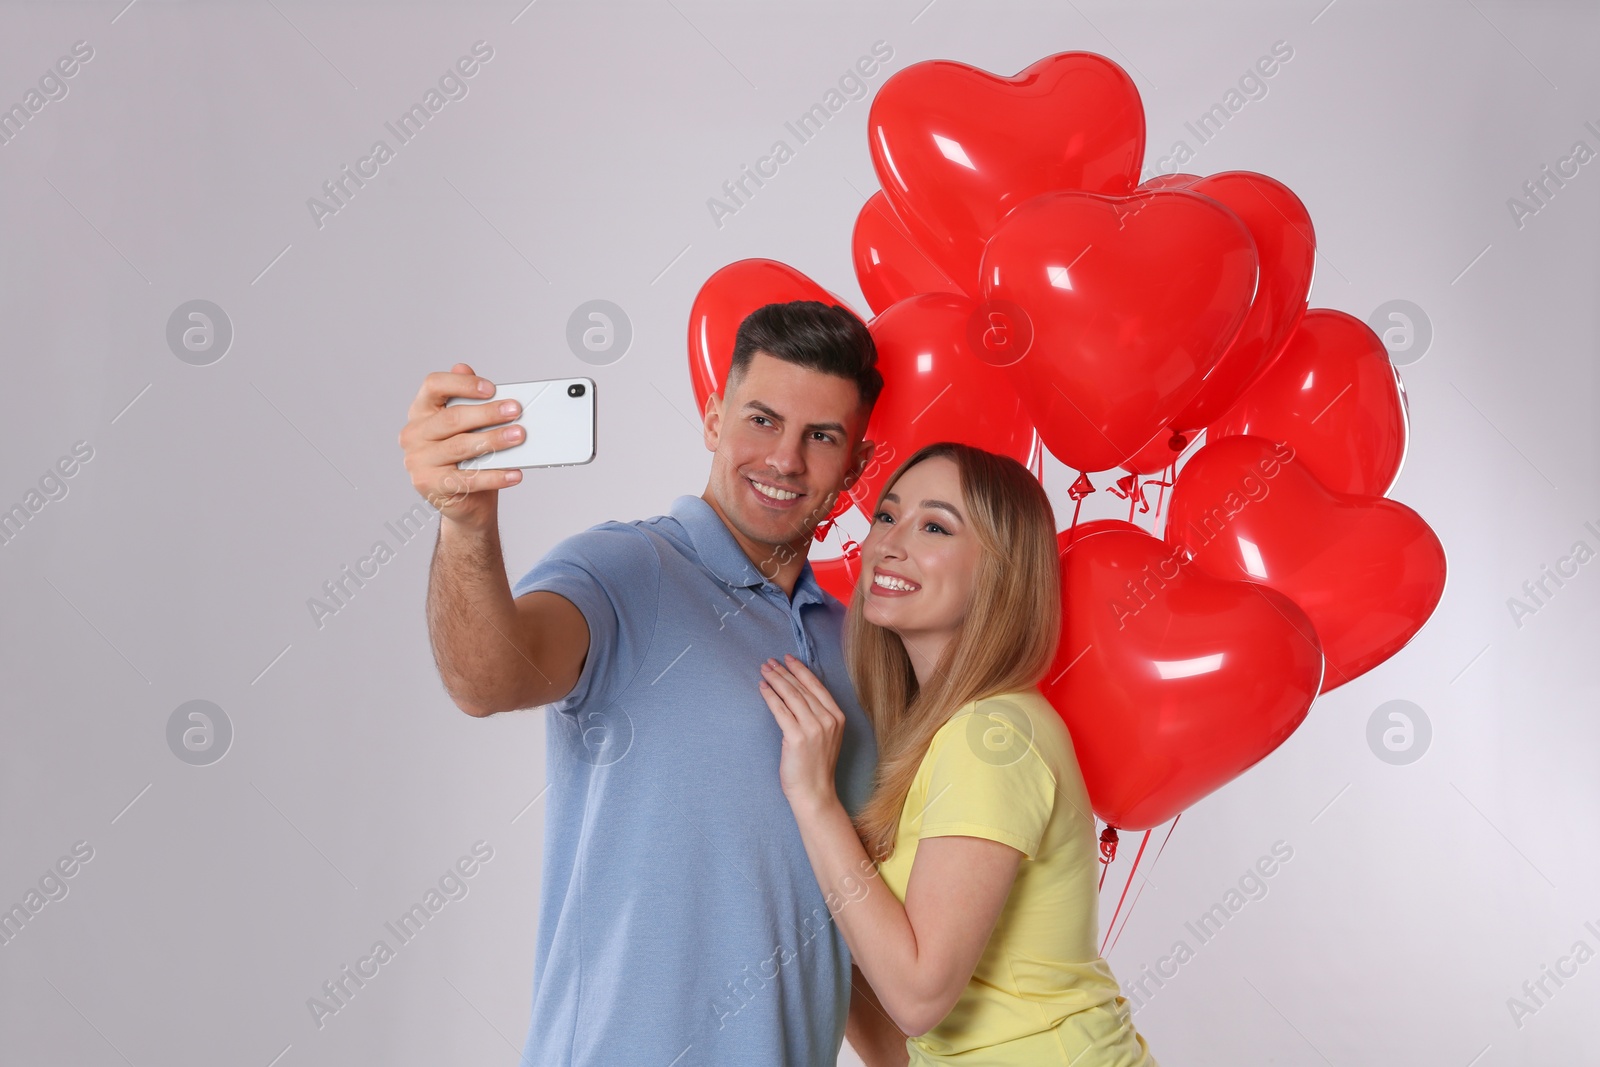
1162 452
889 265
936 389
1336 398
722 304
1175 180
1286 250
1130 302
1077 533
956 148
1171 682
1166 446
1367 571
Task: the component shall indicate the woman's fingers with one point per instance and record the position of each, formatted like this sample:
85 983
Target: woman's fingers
815 687
812 685
804 674
779 708
812 720
800 702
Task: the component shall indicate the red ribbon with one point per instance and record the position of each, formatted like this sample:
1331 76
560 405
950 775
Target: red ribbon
1077 491
1108 852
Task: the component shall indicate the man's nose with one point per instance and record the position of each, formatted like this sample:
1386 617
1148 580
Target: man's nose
785 456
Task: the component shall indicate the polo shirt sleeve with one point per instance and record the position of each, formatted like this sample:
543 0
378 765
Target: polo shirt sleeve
612 574
986 779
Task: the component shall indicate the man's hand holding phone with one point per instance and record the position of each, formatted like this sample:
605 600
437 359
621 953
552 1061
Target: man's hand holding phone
495 652
438 435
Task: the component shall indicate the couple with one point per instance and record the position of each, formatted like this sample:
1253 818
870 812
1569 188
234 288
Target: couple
771 823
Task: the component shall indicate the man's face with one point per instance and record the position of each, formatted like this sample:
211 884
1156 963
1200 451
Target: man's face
786 442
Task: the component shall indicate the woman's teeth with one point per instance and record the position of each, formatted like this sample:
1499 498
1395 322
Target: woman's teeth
892 583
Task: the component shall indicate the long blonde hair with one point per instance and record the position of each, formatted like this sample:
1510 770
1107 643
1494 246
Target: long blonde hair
1005 642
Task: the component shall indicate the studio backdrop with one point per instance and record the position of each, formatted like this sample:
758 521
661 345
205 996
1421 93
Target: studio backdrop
235 237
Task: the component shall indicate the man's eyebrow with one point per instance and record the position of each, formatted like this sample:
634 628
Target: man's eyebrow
759 406
951 508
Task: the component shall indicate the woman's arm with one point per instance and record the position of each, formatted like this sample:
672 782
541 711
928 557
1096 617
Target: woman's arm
868 1028
917 957
920 956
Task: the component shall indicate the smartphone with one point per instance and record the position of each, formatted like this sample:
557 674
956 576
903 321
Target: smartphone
557 416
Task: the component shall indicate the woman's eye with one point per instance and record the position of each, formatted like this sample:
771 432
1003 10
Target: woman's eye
882 515
936 526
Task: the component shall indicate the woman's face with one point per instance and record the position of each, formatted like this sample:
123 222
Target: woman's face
920 556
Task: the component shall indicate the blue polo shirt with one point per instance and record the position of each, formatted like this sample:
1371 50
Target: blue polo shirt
680 922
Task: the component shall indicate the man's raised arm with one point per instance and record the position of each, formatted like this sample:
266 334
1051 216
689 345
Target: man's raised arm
494 652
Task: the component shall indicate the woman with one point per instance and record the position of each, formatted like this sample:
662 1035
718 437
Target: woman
979 936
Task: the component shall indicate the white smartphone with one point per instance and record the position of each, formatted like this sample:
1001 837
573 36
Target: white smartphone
557 416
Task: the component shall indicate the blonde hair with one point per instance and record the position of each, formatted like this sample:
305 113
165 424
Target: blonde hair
1005 643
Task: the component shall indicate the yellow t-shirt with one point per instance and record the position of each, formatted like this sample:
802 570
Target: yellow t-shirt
1003 768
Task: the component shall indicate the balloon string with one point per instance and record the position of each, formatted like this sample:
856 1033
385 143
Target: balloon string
1136 896
1131 871
1135 497
1103 950
1162 495
1164 840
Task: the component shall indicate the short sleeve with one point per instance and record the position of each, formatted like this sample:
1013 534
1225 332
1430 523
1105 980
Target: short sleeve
986 779
612 574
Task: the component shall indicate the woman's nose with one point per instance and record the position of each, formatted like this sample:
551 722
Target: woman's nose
889 542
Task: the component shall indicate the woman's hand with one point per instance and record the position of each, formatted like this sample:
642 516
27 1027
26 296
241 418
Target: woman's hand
813 727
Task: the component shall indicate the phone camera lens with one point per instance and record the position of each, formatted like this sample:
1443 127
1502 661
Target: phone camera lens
575 389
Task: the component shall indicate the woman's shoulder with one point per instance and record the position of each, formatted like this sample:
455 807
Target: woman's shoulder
1028 714
1030 704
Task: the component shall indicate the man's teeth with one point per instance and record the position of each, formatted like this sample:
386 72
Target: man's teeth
891 583
776 494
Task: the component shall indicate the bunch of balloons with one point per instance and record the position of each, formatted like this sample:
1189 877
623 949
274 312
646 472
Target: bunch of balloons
1028 292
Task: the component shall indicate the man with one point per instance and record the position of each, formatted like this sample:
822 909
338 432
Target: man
680 922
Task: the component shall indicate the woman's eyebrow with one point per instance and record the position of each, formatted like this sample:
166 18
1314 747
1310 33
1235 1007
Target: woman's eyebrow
951 508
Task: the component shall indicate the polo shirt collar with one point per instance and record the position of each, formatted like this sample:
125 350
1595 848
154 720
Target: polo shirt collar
721 553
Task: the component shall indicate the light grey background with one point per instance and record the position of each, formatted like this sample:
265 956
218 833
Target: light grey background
220 498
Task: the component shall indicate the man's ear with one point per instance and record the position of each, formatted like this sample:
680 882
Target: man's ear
864 453
711 421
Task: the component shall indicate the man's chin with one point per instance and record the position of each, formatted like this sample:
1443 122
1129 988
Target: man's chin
775 528
783 529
